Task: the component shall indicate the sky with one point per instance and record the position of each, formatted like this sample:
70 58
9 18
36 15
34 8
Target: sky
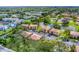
39 2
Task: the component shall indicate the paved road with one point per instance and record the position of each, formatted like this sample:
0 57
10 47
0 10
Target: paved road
3 49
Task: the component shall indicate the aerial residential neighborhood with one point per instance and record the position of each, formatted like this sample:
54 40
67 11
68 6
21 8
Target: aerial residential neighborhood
39 29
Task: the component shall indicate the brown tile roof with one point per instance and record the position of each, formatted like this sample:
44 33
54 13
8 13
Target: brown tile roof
35 37
54 31
26 34
32 26
29 26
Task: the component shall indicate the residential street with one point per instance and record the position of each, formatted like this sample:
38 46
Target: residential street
3 49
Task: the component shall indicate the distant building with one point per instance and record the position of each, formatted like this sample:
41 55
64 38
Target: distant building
64 20
66 14
14 16
9 22
27 17
12 20
31 26
3 15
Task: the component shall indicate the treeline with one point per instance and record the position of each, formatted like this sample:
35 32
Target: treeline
39 9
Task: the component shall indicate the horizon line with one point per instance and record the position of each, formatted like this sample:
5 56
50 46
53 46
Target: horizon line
39 6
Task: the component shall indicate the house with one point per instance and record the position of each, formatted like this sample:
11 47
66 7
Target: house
3 27
31 26
14 16
3 15
28 13
36 13
69 43
12 20
27 17
74 34
64 20
26 34
54 31
25 26
35 37
71 28
8 19
6 25
30 35
13 25
3 23
66 14
42 24
45 29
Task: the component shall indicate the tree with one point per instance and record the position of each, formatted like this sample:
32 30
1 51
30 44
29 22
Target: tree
27 22
77 28
52 46
71 23
74 18
44 14
47 20
1 18
65 35
73 48
39 29
60 16
56 24
39 19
